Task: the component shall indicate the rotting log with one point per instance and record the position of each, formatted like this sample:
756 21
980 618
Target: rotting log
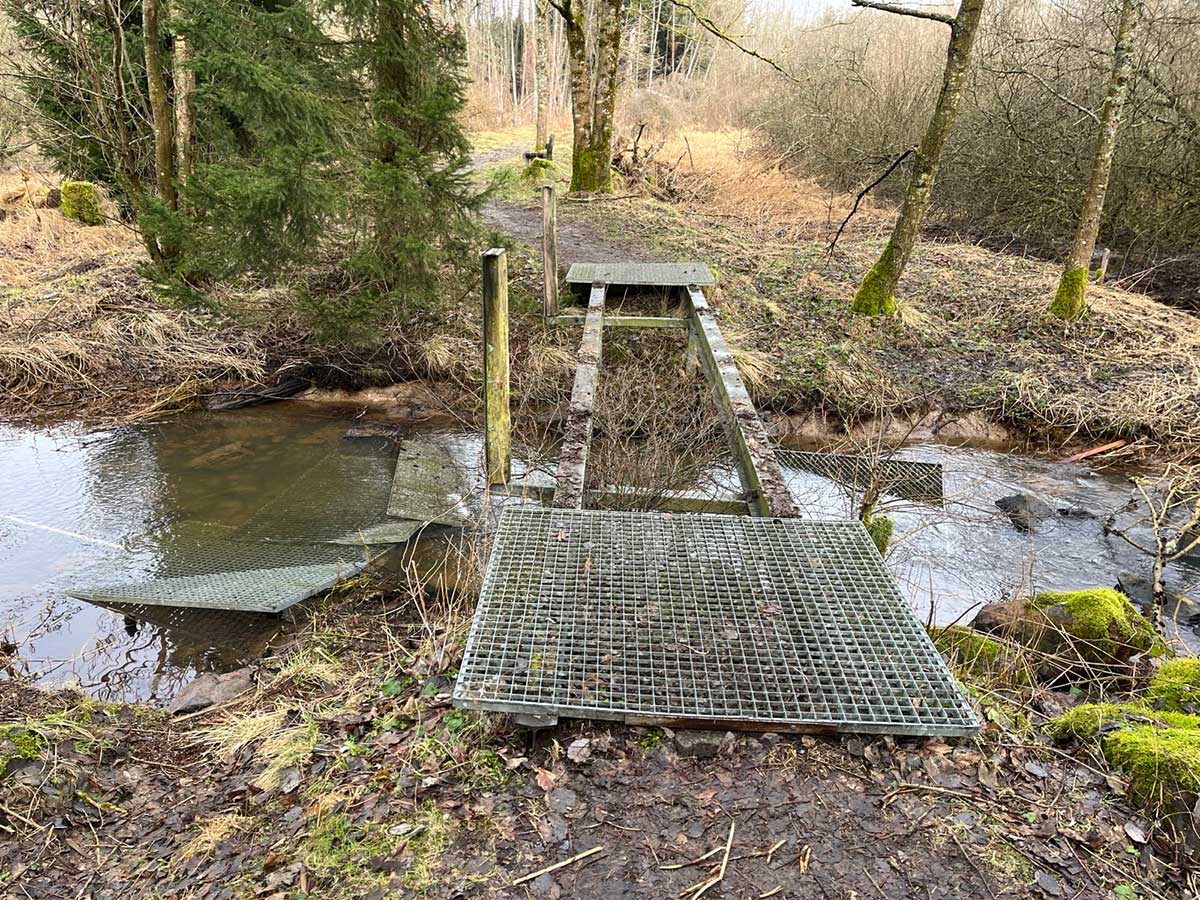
572 458
497 428
767 494
549 252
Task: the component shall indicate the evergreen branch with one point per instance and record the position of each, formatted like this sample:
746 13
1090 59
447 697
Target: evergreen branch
944 18
717 31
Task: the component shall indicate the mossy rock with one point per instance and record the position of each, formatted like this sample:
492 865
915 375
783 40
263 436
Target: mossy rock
968 648
1176 686
1097 625
880 529
81 201
1163 763
18 742
1084 722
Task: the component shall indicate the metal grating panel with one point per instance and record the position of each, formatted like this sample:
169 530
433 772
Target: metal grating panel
428 485
919 482
640 274
702 620
201 568
341 499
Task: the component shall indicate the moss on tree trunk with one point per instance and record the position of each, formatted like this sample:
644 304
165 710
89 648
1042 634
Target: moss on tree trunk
875 295
1071 296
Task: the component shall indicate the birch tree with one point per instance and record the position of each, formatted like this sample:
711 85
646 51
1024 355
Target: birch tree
1071 298
876 294
593 83
540 82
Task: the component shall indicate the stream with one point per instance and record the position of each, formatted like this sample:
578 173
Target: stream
80 508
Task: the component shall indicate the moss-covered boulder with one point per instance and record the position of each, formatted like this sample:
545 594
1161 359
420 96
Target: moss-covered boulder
969 650
1163 763
1176 686
81 201
1086 721
1091 625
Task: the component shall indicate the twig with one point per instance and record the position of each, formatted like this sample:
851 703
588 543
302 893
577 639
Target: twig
566 862
692 862
720 876
714 29
857 200
905 11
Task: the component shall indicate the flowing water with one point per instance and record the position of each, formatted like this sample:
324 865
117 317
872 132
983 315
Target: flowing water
82 508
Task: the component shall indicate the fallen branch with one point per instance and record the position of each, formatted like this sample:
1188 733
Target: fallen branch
857 200
1094 451
554 868
720 876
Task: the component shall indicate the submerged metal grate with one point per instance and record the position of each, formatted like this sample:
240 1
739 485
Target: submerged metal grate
341 499
428 485
908 479
702 620
201 568
640 274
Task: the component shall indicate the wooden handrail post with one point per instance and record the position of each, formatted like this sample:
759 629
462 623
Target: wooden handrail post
497 428
549 251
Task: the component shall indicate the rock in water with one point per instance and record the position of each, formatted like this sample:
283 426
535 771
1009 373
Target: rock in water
1024 511
210 689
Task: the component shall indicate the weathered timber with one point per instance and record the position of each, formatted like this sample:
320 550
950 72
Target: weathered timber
542 490
624 321
572 458
767 493
497 428
549 251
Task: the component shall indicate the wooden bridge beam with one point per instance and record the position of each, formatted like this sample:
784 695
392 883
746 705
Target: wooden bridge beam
572 457
767 494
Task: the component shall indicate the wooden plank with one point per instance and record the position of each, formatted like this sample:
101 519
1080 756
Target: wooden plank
665 501
549 252
767 493
497 427
625 321
572 458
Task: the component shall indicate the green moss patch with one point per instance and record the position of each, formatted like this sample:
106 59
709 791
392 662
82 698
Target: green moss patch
1176 686
1102 620
1071 297
19 742
880 529
968 648
874 296
1086 721
81 201
1163 762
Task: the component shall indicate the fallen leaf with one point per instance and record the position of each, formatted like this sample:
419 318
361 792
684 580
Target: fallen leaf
579 750
545 779
1135 832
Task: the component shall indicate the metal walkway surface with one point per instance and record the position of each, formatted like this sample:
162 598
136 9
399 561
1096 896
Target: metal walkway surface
906 479
702 621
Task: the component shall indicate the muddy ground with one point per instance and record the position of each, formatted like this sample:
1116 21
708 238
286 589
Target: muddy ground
345 772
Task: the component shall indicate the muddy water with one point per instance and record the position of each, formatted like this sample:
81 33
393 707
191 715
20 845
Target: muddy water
79 509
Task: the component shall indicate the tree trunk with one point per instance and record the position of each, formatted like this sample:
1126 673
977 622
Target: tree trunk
876 294
540 100
160 107
1071 298
593 92
184 80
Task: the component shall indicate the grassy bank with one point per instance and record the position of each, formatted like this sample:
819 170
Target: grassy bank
973 332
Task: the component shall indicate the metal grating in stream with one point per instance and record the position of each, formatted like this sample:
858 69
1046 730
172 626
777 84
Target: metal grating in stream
202 568
341 499
907 479
702 620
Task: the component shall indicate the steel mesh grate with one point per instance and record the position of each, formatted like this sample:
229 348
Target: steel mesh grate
200 567
342 499
908 479
640 274
702 619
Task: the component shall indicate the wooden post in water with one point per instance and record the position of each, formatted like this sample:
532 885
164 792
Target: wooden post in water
497 428
549 251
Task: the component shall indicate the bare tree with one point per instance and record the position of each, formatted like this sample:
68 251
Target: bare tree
876 294
1170 508
184 80
1071 298
593 80
540 81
